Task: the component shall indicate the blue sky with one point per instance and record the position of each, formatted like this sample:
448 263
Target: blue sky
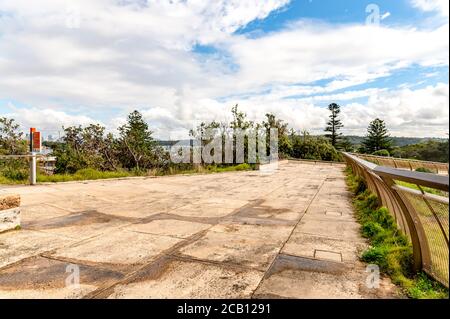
182 62
341 11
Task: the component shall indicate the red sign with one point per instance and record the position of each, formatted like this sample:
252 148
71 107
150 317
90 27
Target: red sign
36 141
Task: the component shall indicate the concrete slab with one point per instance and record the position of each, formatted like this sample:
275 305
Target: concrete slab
120 247
269 233
308 285
303 278
231 248
18 245
169 227
197 210
46 278
32 214
332 228
328 255
305 245
187 279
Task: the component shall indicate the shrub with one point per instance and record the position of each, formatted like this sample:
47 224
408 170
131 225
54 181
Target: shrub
381 153
424 170
14 169
371 229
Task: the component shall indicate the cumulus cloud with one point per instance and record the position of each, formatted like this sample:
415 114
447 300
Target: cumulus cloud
110 54
422 112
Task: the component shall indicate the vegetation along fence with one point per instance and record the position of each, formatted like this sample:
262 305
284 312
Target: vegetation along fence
401 163
419 203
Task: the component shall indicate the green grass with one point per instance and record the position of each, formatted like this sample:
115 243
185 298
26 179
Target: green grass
239 167
425 189
390 249
81 175
8 181
92 174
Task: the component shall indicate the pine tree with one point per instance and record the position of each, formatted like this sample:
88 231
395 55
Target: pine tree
334 124
137 142
377 137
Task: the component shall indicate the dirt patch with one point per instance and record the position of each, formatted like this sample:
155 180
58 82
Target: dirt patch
9 201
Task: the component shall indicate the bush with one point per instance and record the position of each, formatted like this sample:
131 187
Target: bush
381 153
424 170
314 148
14 169
371 229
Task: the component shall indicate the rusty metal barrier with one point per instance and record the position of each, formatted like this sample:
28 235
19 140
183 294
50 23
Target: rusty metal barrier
419 203
407 164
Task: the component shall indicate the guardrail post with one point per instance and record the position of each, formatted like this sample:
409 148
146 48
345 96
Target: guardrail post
417 236
33 169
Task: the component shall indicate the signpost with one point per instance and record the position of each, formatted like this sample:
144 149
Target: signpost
35 147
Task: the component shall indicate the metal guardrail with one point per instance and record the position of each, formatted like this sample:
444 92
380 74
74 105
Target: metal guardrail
406 164
421 215
33 159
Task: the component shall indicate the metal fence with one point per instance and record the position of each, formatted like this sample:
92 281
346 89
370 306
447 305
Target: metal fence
408 164
419 203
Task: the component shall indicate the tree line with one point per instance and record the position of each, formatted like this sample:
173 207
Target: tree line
133 148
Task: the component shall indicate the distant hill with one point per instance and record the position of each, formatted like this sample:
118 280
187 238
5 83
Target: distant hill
397 141
354 140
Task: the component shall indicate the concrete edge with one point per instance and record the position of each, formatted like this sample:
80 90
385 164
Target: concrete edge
9 219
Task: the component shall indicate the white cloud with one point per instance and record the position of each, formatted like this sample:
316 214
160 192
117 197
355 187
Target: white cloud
48 121
422 112
134 54
308 52
440 6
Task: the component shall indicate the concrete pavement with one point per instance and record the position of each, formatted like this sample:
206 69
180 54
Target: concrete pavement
290 234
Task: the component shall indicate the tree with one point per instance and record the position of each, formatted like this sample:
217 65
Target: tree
432 150
334 124
284 143
377 137
240 120
11 139
346 145
238 125
137 143
12 143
